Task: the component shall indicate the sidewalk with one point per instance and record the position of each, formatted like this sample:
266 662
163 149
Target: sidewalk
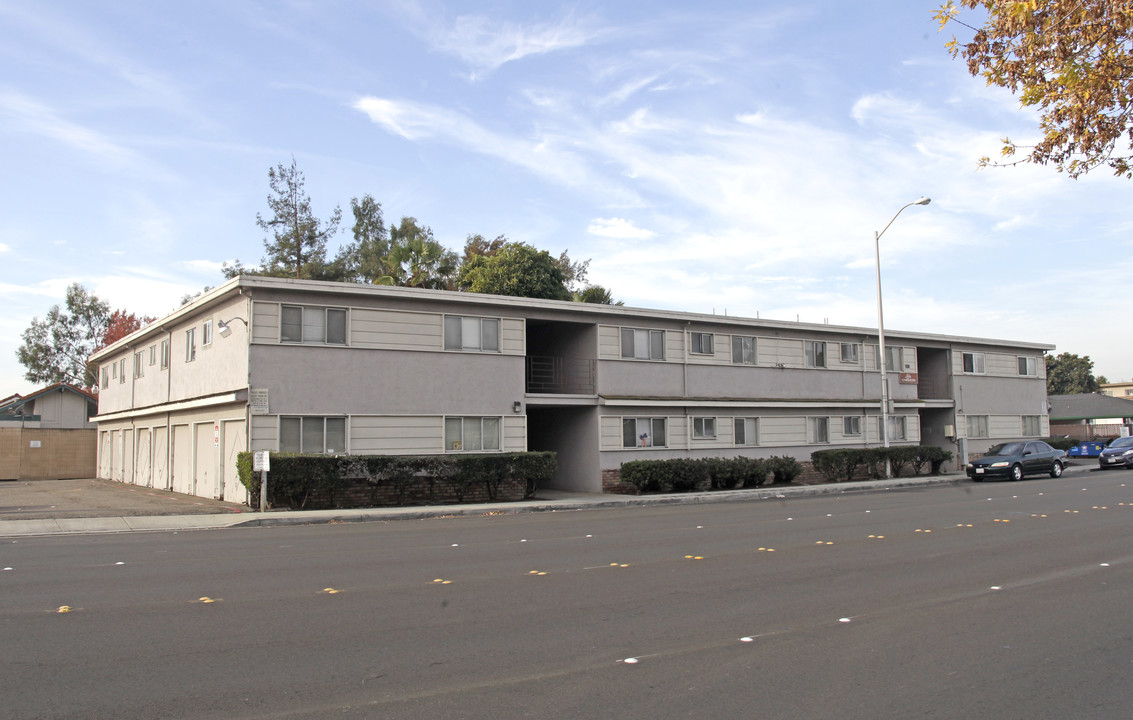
144 509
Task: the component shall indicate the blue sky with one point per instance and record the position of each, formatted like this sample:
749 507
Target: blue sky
705 157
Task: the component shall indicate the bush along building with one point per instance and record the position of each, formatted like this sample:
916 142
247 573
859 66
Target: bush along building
347 369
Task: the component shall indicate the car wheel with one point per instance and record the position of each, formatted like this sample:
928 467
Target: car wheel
1056 469
1017 472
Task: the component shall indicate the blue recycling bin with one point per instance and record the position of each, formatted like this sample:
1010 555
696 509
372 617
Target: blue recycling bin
1086 449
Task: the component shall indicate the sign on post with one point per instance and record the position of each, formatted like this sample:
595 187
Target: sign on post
261 463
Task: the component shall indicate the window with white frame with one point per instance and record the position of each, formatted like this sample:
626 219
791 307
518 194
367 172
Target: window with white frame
894 358
643 344
897 427
114 369
139 363
815 353
747 431
743 350
472 333
1032 426
190 344
704 428
701 343
153 354
122 371
105 377
644 432
472 434
1028 366
849 352
315 435
312 325
206 332
164 354
818 430
852 425
973 363
977 426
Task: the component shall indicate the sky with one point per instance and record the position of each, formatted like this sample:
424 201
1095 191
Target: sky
706 157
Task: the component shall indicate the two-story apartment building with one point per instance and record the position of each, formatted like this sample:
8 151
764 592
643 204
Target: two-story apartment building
294 365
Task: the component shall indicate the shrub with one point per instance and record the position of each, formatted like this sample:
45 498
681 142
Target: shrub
689 475
900 456
784 469
1061 443
837 465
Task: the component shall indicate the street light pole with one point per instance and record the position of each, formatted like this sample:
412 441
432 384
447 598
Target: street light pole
884 426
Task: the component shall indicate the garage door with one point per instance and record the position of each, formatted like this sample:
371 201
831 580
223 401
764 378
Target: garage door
205 469
182 459
144 464
161 458
234 442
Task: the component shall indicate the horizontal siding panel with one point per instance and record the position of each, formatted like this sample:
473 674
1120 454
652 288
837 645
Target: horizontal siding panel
782 431
913 428
772 351
265 322
610 429
674 345
609 342
512 336
679 429
1000 364
1004 426
392 434
514 434
396 330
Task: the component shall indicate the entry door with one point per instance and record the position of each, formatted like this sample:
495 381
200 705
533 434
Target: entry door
234 442
127 456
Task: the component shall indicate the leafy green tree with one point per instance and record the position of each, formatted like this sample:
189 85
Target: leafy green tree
298 245
597 295
1072 60
515 269
480 245
56 348
1069 374
417 260
371 246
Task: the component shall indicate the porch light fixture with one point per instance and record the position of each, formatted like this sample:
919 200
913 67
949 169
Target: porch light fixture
517 407
224 327
884 429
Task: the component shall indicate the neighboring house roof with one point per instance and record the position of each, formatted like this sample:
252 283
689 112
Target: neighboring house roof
15 405
1088 406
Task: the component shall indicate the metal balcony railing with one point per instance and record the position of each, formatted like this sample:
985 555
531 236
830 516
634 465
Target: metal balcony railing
932 388
561 375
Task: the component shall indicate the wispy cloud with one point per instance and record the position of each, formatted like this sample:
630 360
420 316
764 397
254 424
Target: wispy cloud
30 116
618 228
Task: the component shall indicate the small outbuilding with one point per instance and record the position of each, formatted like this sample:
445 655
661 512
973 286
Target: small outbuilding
1090 416
48 434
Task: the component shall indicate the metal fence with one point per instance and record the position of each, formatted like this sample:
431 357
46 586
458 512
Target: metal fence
561 375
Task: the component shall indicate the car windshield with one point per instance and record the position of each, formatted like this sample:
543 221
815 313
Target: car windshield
1122 442
1013 448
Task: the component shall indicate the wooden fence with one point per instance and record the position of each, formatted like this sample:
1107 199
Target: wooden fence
40 454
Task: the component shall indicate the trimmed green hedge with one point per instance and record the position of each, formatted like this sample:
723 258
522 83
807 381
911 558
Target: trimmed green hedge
294 478
844 463
697 475
1061 443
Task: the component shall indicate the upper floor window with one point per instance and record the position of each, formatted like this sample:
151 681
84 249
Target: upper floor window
139 363
164 354
849 352
973 363
743 350
643 344
852 425
190 344
105 377
644 432
206 333
470 434
1028 366
704 428
312 435
815 353
818 430
152 354
977 426
472 333
122 370
312 325
701 343
747 431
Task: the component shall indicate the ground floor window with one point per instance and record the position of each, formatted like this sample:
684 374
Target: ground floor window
819 430
704 428
977 426
852 425
747 431
472 434
897 428
1032 426
644 432
312 435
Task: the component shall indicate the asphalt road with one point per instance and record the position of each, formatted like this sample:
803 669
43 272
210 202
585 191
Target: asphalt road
989 600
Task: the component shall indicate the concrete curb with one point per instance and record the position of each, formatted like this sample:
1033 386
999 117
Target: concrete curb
560 502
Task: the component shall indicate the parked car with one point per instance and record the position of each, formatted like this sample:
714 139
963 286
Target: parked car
1016 459
1118 452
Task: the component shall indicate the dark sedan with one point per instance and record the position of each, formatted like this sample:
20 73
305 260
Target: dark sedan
1119 453
1016 459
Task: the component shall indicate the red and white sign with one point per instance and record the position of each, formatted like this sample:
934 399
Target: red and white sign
908 378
